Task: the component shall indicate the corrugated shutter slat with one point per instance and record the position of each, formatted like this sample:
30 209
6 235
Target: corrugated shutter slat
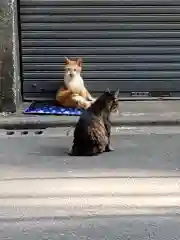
133 45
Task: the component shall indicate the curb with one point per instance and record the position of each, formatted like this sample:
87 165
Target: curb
17 124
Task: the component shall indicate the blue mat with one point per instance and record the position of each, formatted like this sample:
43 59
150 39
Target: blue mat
50 108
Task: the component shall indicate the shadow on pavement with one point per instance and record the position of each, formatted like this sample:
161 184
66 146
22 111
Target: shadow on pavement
132 155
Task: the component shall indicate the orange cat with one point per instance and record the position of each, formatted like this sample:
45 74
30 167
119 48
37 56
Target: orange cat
74 93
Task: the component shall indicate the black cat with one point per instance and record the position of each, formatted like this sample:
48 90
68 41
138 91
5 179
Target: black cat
93 130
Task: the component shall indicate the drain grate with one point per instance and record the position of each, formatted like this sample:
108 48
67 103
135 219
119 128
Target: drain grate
39 132
44 132
10 133
23 132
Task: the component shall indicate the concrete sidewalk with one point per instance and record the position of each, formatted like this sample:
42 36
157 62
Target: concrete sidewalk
131 113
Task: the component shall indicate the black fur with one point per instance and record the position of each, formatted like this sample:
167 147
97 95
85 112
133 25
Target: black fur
93 130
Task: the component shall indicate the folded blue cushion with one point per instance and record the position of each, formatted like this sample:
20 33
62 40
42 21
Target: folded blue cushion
45 108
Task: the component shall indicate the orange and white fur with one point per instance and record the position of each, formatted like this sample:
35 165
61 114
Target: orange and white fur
74 92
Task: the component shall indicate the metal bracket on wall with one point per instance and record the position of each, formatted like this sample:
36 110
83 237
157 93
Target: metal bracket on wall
150 94
160 94
140 94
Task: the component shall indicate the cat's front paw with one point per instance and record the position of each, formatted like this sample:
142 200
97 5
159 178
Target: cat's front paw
93 99
109 148
87 104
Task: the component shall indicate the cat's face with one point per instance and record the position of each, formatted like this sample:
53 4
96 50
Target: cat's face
72 67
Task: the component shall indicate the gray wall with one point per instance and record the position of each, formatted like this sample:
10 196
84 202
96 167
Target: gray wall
9 69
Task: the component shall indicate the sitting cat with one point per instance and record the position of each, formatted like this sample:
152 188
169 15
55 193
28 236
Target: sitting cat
74 93
92 131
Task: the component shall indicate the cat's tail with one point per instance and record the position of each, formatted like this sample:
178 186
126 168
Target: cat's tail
82 152
74 151
62 95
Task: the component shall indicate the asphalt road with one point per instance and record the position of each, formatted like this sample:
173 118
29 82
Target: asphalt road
132 193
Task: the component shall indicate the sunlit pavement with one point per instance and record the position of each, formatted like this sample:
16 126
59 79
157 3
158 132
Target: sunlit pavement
131 193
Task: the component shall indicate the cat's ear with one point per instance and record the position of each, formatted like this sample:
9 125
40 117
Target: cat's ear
66 60
116 94
108 90
79 62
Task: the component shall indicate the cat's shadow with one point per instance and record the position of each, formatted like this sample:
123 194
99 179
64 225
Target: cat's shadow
58 152
51 151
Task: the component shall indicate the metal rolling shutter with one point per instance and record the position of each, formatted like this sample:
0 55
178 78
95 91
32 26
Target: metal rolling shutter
133 45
